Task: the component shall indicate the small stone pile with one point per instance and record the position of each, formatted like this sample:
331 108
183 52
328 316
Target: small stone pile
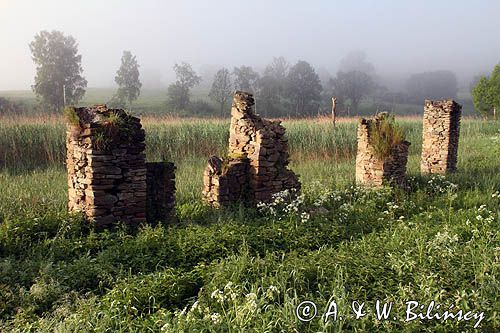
106 166
441 129
372 170
256 166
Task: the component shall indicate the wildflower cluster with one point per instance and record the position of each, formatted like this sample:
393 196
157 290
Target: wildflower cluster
439 184
484 215
334 198
443 244
392 212
228 304
285 204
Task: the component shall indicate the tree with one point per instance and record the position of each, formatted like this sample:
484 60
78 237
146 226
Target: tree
304 88
475 79
221 88
278 70
486 94
127 78
178 92
269 94
272 86
58 79
356 61
432 85
351 86
245 79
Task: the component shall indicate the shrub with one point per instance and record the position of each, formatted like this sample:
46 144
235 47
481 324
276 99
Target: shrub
199 107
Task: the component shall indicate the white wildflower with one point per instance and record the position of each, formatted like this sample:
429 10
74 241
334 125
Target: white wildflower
215 317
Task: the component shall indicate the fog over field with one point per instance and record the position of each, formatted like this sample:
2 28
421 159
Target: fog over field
398 37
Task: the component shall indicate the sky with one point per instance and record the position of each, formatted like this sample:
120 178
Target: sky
399 37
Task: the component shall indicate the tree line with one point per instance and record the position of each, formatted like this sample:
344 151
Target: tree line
281 89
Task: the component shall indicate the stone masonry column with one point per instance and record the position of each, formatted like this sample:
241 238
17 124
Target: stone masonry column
106 166
160 203
373 170
441 129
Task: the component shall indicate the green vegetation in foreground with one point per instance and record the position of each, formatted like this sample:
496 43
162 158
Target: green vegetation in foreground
238 270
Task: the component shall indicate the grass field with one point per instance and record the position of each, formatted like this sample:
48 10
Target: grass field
152 102
241 270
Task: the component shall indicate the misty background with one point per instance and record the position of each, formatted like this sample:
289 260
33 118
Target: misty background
398 38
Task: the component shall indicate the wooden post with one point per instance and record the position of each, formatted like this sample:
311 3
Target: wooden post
334 110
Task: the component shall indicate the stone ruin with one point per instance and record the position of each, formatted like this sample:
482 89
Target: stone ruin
108 177
372 170
160 185
441 128
256 165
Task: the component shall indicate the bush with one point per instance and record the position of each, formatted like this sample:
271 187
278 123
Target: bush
201 108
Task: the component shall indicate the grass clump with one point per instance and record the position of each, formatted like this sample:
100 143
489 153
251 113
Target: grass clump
236 156
385 134
71 116
114 119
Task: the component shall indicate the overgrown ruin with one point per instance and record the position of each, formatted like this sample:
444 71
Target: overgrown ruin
108 177
441 129
372 169
256 165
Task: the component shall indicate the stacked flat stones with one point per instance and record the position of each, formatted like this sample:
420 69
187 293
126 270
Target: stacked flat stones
108 178
257 162
160 181
441 128
372 170
226 182
106 166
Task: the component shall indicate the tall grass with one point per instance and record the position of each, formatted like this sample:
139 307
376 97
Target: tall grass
37 143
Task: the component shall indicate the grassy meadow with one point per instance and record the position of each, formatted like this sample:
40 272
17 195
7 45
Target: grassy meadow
244 270
152 102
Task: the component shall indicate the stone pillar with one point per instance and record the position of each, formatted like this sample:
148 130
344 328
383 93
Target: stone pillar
106 166
257 159
160 203
441 129
373 170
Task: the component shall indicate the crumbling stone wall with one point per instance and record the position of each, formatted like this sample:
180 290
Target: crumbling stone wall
106 167
372 170
441 128
256 166
226 182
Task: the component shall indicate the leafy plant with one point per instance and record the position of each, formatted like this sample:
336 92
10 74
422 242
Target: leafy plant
384 134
